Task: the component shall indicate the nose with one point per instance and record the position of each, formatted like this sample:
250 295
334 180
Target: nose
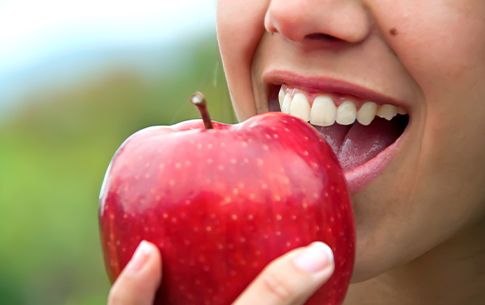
343 21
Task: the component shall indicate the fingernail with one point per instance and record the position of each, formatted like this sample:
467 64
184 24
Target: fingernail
140 257
314 258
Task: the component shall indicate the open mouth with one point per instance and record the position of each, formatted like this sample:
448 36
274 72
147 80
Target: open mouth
360 131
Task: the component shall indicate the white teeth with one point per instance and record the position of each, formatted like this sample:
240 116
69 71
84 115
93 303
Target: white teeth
323 112
285 108
387 111
401 110
346 113
281 96
367 113
300 107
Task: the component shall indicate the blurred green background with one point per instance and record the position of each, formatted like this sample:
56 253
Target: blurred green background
57 136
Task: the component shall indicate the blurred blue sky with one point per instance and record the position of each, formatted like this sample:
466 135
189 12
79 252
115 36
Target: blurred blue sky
43 36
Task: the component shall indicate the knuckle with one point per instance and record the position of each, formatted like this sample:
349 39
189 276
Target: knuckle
276 285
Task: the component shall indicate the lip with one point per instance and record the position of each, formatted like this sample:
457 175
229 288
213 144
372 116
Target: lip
312 84
358 177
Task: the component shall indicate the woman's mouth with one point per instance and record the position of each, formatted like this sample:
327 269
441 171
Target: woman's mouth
364 134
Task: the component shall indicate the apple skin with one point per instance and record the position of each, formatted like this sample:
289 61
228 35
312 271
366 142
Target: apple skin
222 203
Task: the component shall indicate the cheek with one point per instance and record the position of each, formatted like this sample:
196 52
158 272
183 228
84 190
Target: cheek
239 30
440 42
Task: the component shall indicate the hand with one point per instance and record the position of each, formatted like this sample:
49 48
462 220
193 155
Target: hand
288 280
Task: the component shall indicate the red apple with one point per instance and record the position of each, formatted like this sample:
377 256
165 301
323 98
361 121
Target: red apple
222 201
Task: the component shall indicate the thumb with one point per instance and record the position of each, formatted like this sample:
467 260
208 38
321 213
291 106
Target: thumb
292 278
139 281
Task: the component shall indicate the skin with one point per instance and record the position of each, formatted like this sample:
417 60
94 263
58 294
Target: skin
420 223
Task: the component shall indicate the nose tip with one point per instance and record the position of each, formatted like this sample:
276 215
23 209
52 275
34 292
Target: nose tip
328 20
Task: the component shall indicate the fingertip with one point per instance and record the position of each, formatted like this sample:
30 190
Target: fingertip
315 258
143 253
139 281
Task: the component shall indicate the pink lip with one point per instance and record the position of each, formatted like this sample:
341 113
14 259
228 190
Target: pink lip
357 178
328 85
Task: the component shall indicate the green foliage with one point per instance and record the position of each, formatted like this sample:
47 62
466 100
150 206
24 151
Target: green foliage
54 150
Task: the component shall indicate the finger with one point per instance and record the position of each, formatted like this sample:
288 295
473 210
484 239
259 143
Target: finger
138 282
292 278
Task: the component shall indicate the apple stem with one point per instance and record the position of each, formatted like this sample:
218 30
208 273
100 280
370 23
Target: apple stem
198 100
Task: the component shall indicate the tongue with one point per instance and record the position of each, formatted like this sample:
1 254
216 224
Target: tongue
356 144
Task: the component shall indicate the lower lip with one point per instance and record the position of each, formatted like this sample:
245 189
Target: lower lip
359 177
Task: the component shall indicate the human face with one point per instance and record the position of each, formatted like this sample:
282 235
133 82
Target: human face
427 57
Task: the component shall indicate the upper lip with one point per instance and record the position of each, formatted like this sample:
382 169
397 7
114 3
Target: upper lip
322 84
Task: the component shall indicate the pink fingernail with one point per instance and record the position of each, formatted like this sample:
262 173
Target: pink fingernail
140 257
314 258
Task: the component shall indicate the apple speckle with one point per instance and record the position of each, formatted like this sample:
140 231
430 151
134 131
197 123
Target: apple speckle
234 217
279 217
178 165
250 217
210 161
171 182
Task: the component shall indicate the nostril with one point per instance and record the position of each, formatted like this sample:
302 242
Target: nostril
322 37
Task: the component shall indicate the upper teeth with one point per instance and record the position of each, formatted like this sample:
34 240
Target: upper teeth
324 112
